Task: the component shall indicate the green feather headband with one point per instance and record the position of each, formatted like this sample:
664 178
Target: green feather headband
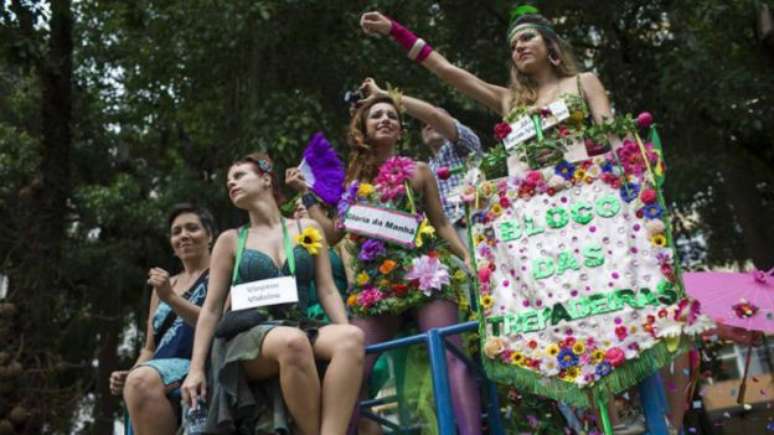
520 11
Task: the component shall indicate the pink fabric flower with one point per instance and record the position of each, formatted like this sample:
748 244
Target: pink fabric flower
484 273
615 356
430 272
392 174
369 297
533 178
443 173
644 120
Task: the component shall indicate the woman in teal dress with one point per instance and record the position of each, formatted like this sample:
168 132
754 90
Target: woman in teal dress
175 303
272 359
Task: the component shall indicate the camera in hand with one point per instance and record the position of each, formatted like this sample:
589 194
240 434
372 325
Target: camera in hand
353 97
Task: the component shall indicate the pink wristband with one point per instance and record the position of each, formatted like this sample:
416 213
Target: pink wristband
402 35
426 50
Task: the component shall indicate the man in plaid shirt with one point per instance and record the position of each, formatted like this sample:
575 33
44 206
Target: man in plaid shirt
450 150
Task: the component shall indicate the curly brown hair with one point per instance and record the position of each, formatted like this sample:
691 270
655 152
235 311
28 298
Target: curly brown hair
362 160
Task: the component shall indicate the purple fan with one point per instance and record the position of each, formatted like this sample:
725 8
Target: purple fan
326 168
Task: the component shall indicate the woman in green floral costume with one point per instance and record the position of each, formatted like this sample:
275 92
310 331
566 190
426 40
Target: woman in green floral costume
543 72
266 362
394 278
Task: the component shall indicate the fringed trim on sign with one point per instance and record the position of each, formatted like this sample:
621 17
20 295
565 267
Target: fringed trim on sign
632 373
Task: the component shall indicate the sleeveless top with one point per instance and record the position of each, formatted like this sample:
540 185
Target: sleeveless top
256 265
389 277
177 340
567 132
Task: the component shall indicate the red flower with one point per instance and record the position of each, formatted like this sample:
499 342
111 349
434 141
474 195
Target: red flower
505 202
568 342
648 196
651 318
662 313
443 173
640 213
621 332
433 254
400 289
551 191
532 344
502 130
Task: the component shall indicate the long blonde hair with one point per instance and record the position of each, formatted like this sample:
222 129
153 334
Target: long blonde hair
363 162
523 87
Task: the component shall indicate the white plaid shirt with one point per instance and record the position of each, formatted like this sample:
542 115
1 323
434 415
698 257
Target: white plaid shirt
453 155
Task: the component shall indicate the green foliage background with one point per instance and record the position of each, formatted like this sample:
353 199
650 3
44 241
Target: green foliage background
154 98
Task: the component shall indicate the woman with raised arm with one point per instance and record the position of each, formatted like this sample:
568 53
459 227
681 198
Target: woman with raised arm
404 265
174 307
268 335
543 71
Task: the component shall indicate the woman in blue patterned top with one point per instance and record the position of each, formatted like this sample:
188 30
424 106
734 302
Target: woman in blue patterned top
174 308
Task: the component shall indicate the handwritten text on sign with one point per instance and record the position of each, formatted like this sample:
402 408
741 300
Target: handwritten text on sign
263 293
382 223
524 128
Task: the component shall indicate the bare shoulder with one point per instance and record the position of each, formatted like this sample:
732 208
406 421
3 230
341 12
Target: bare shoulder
228 238
307 222
590 82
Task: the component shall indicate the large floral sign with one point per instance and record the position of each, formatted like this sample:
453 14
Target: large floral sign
579 286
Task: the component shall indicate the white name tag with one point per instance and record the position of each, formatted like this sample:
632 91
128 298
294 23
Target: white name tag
524 129
521 130
263 293
382 223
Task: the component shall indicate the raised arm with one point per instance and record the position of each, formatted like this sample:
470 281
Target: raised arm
295 180
492 96
441 121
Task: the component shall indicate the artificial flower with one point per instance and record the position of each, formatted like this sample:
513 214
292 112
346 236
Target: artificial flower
615 356
502 130
443 173
654 227
487 189
425 229
369 297
431 273
648 196
352 299
621 332
496 209
459 275
571 373
629 191
565 169
493 346
371 249
597 356
362 279
400 289
387 266
658 240
603 369
487 301
644 120
579 347
653 211
392 175
567 358
365 190
310 239
517 358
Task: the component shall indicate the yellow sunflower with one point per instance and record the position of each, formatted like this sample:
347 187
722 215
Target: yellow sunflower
310 239
579 347
552 350
597 356
517 358
658 240
496 209
487 301
571 373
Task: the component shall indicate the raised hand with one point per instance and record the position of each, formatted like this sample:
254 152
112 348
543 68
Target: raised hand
158 278
375 23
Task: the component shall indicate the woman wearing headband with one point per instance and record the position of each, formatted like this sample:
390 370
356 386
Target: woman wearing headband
543 70
258 342
395 278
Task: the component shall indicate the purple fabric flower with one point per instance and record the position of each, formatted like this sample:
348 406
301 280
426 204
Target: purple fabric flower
370 250
603 369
